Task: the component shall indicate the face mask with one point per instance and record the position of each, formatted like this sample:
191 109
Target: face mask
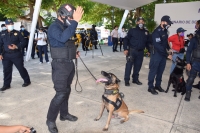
22 28
4 28
66 21
182 34
10 27
140 25
166 26
116 28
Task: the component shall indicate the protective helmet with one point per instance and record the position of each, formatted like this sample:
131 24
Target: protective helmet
66 10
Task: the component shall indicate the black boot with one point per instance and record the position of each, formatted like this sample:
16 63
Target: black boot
52 127
188 95
197 85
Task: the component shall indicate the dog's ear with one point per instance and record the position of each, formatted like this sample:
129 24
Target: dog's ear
118 80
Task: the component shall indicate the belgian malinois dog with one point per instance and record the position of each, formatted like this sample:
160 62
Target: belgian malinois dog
112 100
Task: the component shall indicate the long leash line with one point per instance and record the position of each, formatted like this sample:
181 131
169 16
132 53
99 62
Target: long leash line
87 68
77 81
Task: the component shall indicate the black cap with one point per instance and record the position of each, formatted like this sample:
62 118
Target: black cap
21 26
167 19
140 18
180 30
190 35
8 21
93 25
3 25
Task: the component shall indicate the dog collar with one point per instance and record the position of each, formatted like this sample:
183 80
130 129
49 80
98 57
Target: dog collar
111 92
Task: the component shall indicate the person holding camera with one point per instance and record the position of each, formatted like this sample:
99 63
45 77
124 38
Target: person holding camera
11 41
176 43
63 51
17 128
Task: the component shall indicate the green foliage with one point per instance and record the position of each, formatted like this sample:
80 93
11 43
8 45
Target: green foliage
49 19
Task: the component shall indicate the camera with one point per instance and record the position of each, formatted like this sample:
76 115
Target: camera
33 130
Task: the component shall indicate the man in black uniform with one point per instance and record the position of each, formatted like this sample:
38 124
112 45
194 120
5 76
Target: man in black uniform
83 40
3 27
94 36
63 51
26 34
11 41
193 52
158 55
134 43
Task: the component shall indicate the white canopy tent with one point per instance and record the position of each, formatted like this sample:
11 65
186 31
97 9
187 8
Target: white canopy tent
123 4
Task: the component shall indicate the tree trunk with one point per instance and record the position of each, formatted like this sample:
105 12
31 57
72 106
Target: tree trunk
138 13
40 21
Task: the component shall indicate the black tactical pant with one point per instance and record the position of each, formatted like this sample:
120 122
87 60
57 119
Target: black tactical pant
62 76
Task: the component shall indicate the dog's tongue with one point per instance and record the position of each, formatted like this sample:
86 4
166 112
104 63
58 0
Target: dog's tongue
101 79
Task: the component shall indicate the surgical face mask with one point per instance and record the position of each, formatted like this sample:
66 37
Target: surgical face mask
181 34
4 28
22 28
166 26
10 27
141 26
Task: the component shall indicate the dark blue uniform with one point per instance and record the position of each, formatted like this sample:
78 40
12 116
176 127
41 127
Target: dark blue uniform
135 41
11 57
25 34
158 56
94 36
62 69
195 62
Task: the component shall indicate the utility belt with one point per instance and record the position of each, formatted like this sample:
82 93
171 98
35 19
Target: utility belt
68 52
12 51
62 60
196 59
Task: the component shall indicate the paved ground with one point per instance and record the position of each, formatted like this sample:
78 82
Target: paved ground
163 113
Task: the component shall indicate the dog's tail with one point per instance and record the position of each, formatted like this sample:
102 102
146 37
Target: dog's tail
135 111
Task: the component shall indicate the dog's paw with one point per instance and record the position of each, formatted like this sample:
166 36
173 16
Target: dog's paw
122 121
105 129
175 95
166 91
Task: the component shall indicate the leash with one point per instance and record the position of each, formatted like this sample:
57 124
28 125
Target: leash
77 81
87 68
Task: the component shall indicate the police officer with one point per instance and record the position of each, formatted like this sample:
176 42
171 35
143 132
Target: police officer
3 27
10 43
158 55
194 50
83 40
94 36
26 34
63 51
134 43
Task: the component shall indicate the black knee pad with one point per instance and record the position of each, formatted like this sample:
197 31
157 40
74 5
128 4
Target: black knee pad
59 98
190 80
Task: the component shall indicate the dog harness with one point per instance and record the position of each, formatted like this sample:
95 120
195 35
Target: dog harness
118 102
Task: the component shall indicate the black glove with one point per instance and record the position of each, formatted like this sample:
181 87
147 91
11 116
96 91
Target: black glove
182 50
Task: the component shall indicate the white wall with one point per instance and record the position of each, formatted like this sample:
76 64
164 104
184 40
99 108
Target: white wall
16 25
182 15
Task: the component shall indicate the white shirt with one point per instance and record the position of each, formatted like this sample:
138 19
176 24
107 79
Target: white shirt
122 34
43 36
114 33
